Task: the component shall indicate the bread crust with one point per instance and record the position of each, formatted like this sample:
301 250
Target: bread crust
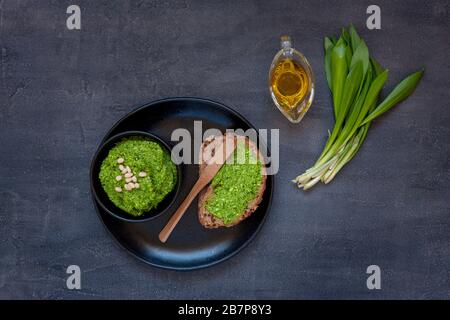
205 218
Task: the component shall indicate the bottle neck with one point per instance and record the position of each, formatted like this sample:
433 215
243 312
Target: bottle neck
286 42
286 45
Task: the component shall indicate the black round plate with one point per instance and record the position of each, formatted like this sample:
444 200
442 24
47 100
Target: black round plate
190 246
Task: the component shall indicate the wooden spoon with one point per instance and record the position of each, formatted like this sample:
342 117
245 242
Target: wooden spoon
222 153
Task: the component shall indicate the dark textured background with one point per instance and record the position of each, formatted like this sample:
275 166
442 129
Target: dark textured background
62 90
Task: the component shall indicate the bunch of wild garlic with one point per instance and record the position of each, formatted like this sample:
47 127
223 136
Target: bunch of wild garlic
355 80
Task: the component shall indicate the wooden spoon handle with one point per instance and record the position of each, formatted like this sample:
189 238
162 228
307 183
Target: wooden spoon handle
171 224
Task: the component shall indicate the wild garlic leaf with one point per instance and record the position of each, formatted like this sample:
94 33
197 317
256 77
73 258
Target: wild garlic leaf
339 70
402 91
327 43
346 36
355 39
328 46
372 95
328 67
351 87
361 54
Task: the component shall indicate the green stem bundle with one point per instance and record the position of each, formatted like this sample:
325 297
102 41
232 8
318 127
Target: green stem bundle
355 80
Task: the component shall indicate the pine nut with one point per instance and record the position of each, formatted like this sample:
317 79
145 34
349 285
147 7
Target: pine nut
134 179
118 178
121 168
118 189
142 174
136 185
120 160
128 175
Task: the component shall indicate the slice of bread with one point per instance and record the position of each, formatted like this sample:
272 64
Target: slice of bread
207 150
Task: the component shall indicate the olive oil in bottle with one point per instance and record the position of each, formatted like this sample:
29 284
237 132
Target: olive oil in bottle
291 82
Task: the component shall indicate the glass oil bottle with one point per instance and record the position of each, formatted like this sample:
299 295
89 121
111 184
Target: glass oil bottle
291 82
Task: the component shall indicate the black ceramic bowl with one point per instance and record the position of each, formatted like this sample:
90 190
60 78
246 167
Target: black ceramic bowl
101 196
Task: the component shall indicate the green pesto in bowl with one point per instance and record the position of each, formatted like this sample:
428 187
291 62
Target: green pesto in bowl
235 185
141 155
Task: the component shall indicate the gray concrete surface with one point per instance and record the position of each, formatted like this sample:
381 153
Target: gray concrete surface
62 90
